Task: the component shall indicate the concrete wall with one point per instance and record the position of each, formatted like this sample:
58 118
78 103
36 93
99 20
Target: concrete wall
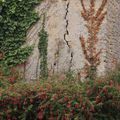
64 25
113 34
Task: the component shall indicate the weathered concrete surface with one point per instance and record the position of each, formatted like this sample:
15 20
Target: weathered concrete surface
33 63
64 25
113 34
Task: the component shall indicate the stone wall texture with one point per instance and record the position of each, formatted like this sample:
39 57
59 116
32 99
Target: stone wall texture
64 25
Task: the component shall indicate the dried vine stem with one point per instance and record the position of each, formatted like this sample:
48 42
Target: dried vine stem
94 19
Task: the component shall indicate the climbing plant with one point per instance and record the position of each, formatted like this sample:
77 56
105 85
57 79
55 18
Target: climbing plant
43 43
94 21
16 17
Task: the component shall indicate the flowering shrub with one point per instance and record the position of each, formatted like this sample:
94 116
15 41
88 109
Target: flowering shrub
51 100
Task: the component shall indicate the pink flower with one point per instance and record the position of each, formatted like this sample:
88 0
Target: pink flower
76 105
69 105
40 115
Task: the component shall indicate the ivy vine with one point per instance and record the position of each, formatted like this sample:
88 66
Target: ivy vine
43 44
16 17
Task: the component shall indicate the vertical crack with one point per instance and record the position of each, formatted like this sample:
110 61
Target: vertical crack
67 23
72 54
67 33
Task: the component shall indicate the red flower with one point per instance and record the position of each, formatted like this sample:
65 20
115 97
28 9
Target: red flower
105 90
98 99
111 83
31 100
76 105
72 113
69 105
43 96
88 92
16 101
8 117
40 115
66 99
1 55
54 97
92 109
12 79
83 107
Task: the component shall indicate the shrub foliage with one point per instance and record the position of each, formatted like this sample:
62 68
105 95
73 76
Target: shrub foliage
98 100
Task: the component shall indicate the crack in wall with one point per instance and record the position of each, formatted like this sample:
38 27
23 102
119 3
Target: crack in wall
67 23
67 33
71 60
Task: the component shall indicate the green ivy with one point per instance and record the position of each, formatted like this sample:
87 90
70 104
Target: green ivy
16 17
43 43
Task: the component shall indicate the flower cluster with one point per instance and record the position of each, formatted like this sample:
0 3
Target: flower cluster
60 101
